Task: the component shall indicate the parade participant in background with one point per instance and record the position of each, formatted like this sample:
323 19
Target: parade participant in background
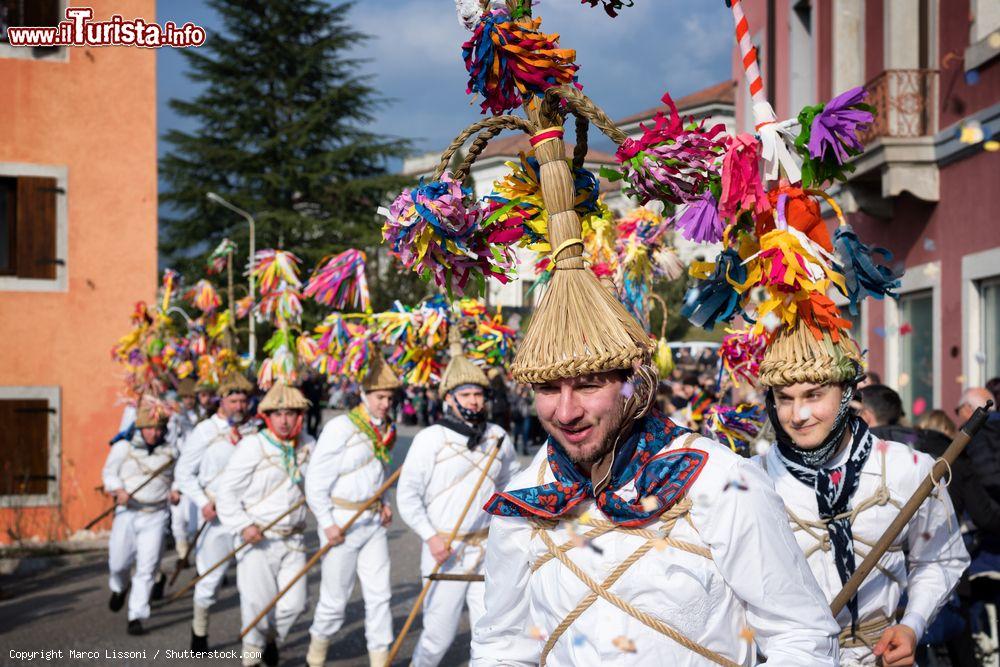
347 467
141 516
261 481
882 411
199 472
842 486
441 470
206 393
183 515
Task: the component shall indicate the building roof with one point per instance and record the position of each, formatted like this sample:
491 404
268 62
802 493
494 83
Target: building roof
723 93
515 144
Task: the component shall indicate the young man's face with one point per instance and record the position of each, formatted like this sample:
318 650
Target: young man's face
205 399
188 402
808 411
470 398
379 403
151 435
583 414
284 421
234 406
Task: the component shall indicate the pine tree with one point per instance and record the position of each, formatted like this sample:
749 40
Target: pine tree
281 133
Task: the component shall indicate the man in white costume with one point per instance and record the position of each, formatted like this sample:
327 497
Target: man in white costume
346 469
262 481
199 471
141 514
441 470
629 540
183 515
842 487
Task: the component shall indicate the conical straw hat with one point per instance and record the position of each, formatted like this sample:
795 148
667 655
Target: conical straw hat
283 397
460 370
796 355
579 327
235 383
380 375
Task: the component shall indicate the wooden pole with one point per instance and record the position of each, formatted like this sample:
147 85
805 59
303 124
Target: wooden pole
231 297
941 466
456 577
232 553
451 538
156 473
322 552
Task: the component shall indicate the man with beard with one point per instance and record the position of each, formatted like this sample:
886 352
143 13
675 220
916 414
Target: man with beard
141 515
261 481
842 487
199 472
441 470
347 468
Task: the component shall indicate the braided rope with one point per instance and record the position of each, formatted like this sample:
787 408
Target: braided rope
580 105
866 635
507 122
581 148
577 366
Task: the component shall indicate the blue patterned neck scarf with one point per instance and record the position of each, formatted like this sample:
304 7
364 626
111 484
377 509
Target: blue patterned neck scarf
289 460
664 476
834 488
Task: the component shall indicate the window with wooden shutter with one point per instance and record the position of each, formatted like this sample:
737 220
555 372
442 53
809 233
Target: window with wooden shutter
24 446
36 228
8 226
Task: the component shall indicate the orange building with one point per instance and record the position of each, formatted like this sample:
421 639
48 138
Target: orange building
78 247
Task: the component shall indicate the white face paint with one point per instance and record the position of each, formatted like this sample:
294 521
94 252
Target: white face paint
805 413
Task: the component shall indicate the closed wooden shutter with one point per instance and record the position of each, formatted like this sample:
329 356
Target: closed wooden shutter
24 446
36 228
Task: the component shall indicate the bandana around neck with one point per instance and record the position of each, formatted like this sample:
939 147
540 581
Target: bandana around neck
834 489
640 460
382 441
289 461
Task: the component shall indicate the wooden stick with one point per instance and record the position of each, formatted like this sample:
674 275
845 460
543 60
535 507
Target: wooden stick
183 563
456 577
451 538
156 473
941 466
322 552
232 553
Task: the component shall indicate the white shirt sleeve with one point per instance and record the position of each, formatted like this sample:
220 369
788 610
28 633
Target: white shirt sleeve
110 476
413 481
233 483
509 465
753 547
323 471
500 637
189 464
937 555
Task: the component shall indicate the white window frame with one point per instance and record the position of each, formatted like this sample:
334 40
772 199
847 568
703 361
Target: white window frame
61 54
976 267
61 281
919 278
52 395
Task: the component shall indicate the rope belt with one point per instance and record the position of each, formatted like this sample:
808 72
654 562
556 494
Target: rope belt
343 504
473 539
867 634
286 532
139 506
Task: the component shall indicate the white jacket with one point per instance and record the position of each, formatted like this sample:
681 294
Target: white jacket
129 464
936 554
194 474
256 489
439 474
342 466
735 574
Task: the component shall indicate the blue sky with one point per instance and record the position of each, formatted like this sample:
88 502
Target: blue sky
626 63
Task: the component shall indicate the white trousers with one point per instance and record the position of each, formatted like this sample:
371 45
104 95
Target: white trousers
261 571
213 545
443 604
136 537
366 552
183 519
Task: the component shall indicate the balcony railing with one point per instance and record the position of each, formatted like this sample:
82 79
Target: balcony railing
904 103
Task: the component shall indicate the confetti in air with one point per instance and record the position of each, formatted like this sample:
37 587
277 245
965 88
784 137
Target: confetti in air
624 644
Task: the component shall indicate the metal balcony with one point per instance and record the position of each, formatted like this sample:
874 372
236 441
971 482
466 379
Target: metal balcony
904 104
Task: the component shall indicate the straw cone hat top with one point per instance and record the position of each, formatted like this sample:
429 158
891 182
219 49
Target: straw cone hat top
283 397
795 355
580 327
460 370
380 376
186 387
234 384
205 384
151 415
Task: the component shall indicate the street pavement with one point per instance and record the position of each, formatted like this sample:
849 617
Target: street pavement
67 608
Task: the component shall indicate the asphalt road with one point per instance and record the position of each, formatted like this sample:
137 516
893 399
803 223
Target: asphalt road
67 608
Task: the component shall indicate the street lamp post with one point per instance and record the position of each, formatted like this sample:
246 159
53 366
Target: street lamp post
216 199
